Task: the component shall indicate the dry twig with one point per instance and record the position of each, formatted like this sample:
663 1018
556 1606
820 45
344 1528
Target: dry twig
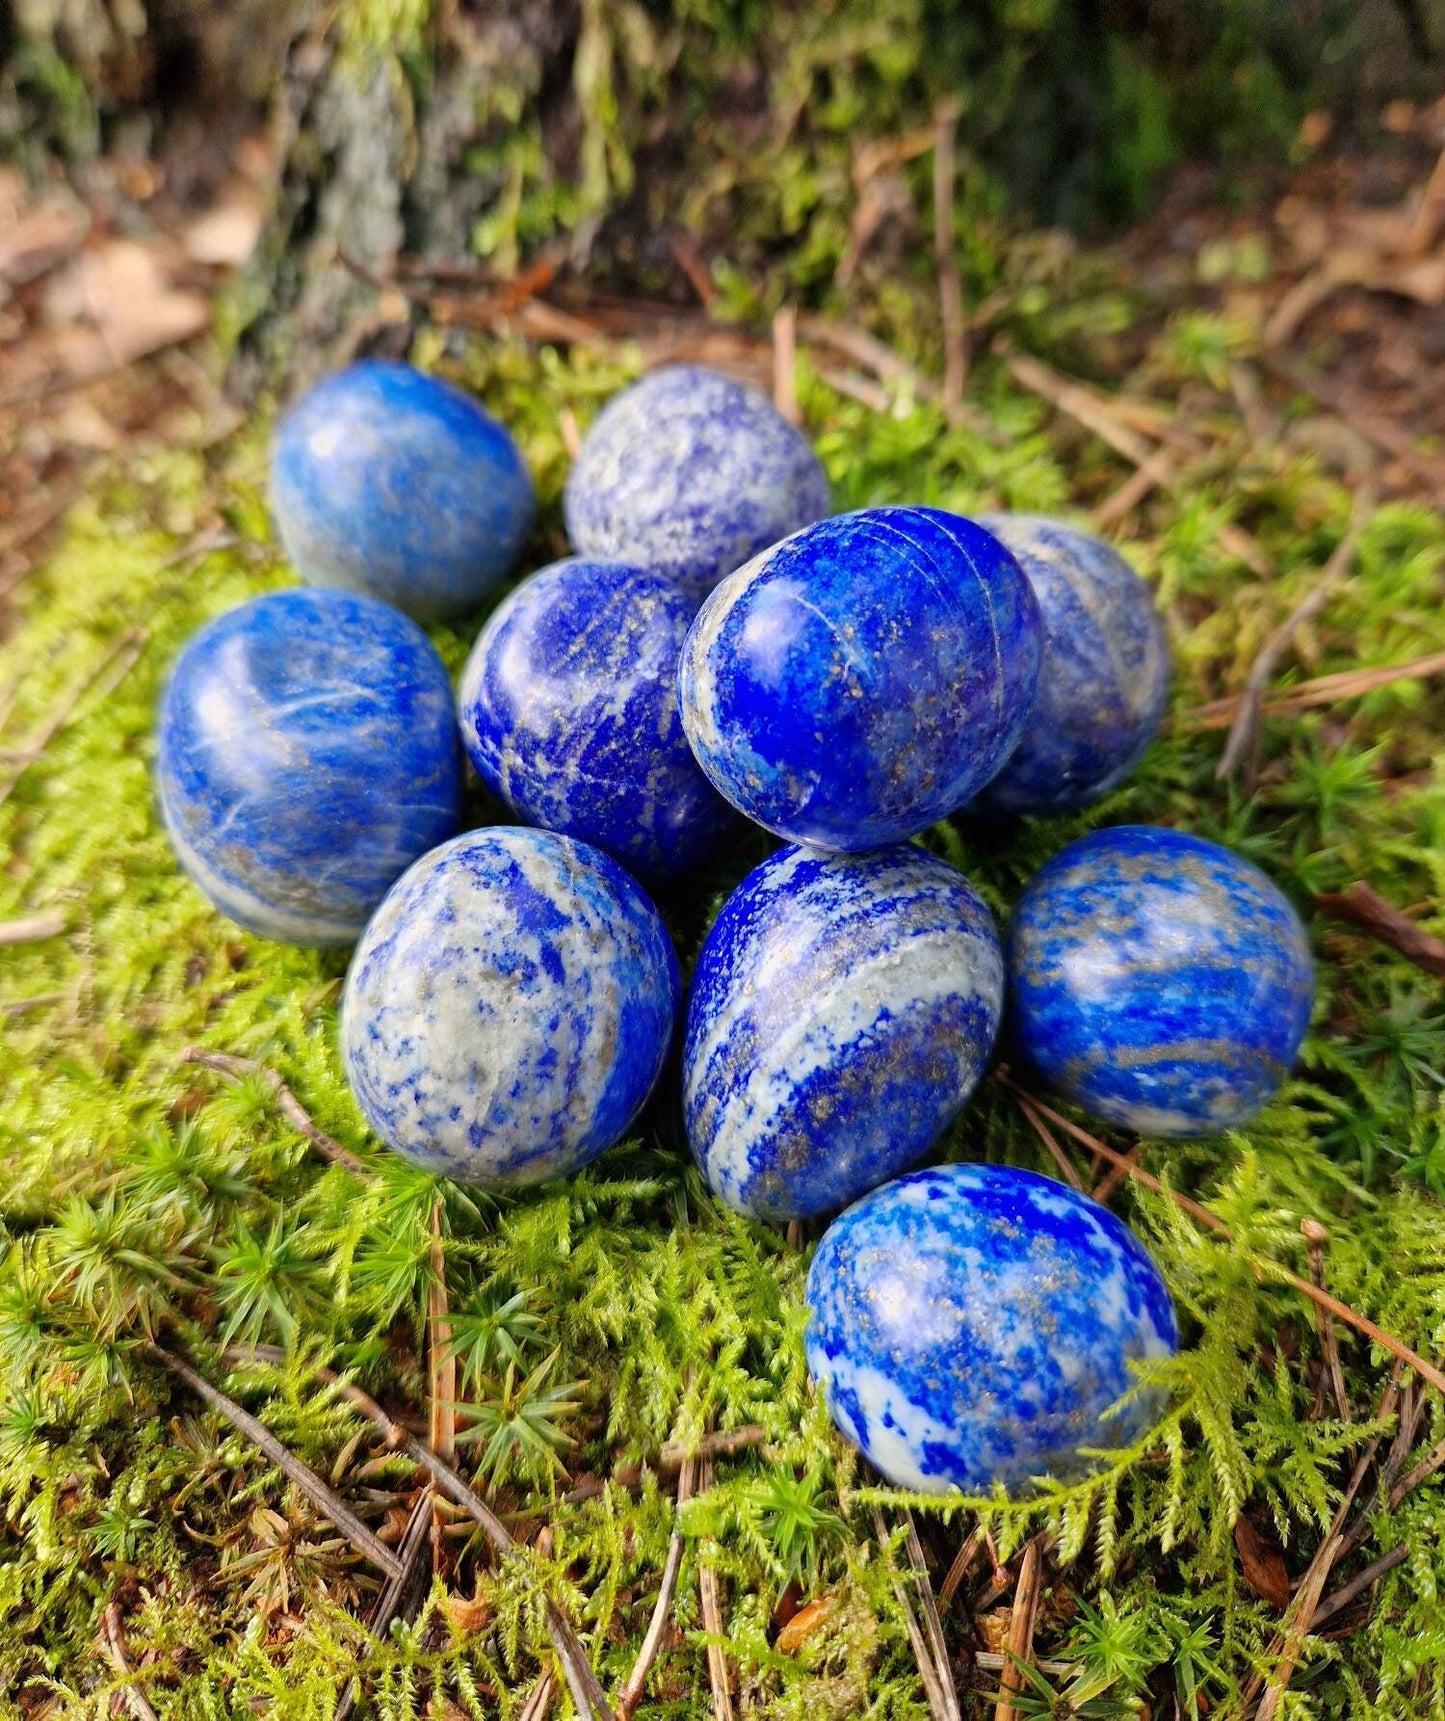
33 929
1383 921
1100 414
631 1693
102 679
962 1565
1243 742
1358 1584
938 1686
302 1475
785 363
1046 1135
933 1624
1320 690
1315 1236
402 1595
238 1069
1027 1592
1284 1651
709 1595
114 1641
587 1693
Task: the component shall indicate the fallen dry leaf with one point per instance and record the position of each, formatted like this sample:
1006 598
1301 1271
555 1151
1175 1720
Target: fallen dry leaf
809 1618
1262 1560
224 237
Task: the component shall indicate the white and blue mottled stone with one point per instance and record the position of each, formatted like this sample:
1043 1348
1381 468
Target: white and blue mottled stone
1162 982
859 681
690 473
1104 678
389 481
307 754
971 1326
569 712
509 1008
841 1013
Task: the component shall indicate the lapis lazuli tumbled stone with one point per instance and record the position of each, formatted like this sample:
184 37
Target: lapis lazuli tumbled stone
509 1008
307 755
569 712
852 685
1159 980
691 473
1104 677
971 1326
389 481
842 1010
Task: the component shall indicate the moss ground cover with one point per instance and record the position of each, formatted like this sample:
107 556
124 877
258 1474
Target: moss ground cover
151 1200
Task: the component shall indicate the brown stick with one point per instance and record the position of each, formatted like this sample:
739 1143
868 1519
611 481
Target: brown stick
931 1620
709 1595
103 678
237 1069
1341 1311
631 1693
32 929
1021 1629
361 1538
1315 1236
937 1683
1320 690
1288 1643
950 285
401 1595
1383 921
1244 732
441 1358
587 1693
785 363
1357 1585
1094 410
1116 1174
539 1704
1046 1135
114 1642
962 1565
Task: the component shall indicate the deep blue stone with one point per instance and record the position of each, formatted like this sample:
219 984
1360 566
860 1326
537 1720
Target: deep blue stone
841 1013
569 711
1159 980
509 1008
392 482
691 473
972 1324
851 686
307 756
1104 678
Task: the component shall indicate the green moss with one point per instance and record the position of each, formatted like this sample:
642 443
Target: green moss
604 1317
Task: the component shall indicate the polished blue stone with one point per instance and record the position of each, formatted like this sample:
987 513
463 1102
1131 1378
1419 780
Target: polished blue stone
1104 679
971 1325
1159 980
851 686
509 1008
569 712
841 1013
388 481
691 473
307 755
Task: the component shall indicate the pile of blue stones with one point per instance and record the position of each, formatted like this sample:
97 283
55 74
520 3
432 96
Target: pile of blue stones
719 648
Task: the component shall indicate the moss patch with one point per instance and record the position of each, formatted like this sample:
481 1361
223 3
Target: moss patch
601 1318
